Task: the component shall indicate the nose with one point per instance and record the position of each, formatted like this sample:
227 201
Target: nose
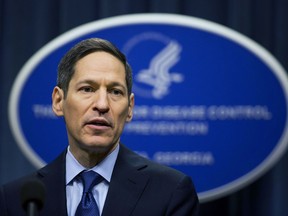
100 101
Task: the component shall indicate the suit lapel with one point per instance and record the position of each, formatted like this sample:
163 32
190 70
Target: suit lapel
125 189
53 176
127 184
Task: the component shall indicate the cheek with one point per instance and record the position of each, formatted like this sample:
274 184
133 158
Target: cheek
123 117
72 113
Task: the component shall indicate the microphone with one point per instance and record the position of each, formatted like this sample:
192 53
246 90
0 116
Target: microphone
32 196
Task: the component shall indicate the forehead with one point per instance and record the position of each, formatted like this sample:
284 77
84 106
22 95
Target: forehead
99 64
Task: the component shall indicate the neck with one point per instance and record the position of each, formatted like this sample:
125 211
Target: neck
90 158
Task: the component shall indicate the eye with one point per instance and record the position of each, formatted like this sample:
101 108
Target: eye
86 89
116 92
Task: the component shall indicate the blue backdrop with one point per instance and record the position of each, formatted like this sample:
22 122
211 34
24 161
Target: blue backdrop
26 26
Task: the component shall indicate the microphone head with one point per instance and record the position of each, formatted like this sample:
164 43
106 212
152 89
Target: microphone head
33 190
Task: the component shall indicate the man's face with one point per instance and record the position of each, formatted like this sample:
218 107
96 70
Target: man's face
96 107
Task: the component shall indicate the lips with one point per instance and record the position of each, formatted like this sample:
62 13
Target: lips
99 122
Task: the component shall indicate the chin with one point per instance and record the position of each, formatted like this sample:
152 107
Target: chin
99 147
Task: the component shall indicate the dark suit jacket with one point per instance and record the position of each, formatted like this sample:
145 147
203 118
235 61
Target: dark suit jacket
138 187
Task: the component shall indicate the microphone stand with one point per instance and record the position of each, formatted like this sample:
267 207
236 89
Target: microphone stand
32 209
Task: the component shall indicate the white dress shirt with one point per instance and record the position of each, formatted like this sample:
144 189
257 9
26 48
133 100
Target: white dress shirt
74 187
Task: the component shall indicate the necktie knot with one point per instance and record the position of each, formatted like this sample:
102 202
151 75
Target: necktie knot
89 180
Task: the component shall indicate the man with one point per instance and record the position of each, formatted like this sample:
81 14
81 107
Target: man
94 95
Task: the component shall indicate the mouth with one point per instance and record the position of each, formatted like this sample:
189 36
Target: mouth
99 123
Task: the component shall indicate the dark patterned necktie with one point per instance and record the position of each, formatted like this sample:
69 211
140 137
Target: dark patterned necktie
88 205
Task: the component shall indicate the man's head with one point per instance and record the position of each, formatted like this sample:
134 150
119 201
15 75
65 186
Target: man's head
93 94
66 66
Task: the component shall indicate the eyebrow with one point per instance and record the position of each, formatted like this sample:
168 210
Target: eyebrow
110 84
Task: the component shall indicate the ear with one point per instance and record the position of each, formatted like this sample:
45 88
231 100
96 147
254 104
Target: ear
130 108
57 101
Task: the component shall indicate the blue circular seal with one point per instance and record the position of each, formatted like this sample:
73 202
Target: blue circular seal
210 102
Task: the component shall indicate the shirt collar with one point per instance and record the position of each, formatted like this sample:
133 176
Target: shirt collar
104 168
